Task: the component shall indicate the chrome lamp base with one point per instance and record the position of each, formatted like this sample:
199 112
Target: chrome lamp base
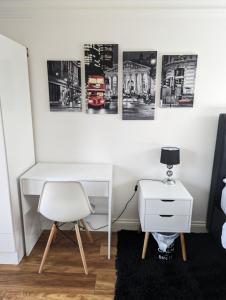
169 180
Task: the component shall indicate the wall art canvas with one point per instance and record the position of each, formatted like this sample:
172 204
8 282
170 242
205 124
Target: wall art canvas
101 77
139 79
178 80
64 78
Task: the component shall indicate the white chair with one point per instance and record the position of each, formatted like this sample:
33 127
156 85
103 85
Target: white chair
65 201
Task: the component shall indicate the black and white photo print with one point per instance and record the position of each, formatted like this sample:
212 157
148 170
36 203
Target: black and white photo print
64 78
101 76
139 76
178 80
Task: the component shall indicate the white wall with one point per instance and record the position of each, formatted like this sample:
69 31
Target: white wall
132 146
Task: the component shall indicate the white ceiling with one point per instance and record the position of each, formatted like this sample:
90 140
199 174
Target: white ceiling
152 4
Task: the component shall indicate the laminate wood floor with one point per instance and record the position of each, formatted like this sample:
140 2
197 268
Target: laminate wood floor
63 275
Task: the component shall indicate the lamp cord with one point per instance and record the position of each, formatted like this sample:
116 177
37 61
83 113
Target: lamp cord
95 229
127 203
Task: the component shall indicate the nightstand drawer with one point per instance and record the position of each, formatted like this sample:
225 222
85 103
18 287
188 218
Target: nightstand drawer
167 223
168 207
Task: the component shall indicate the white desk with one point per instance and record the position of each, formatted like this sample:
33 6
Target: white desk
95 177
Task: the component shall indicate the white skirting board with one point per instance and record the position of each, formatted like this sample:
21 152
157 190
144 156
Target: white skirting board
134 224
10 258
127 224
8 253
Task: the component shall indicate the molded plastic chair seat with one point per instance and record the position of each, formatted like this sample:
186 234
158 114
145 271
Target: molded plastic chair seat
64 201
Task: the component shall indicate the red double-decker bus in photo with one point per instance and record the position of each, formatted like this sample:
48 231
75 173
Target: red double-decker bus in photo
96 91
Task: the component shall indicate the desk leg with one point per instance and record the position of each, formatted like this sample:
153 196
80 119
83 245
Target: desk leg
109 217
183 247
31 222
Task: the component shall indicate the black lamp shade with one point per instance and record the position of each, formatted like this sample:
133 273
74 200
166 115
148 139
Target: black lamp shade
170 156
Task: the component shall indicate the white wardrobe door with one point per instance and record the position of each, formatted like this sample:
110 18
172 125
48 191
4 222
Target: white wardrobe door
6 228
17 124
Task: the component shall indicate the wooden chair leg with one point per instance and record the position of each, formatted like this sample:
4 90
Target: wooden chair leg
51 235
81 248
146 238
183 247
55 234
88 233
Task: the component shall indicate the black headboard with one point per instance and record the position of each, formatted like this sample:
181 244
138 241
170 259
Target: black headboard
219 171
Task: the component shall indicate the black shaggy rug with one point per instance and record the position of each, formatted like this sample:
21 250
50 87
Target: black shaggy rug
203 276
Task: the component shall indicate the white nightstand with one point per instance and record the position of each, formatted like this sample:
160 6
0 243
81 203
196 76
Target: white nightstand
164 208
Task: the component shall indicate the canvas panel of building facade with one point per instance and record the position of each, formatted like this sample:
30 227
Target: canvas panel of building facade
178 80
139 80
64 78
101 76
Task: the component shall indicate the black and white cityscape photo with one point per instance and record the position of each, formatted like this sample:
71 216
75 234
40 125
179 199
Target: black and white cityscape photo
178 80
101 76
139 76
64 78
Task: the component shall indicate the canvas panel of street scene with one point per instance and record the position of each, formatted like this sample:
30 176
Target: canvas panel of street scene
64 78
139 79
101 76
178 80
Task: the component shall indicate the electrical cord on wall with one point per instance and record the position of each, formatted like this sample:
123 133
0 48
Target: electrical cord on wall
125 207
127 203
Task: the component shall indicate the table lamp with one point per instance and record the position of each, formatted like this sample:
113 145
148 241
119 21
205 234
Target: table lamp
170 156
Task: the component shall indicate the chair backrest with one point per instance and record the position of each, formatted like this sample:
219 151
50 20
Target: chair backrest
64 201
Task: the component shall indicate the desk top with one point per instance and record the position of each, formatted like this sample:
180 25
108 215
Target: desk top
159 190
70 172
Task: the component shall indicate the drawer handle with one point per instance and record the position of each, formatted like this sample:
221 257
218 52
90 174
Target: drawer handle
166 216
167 200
